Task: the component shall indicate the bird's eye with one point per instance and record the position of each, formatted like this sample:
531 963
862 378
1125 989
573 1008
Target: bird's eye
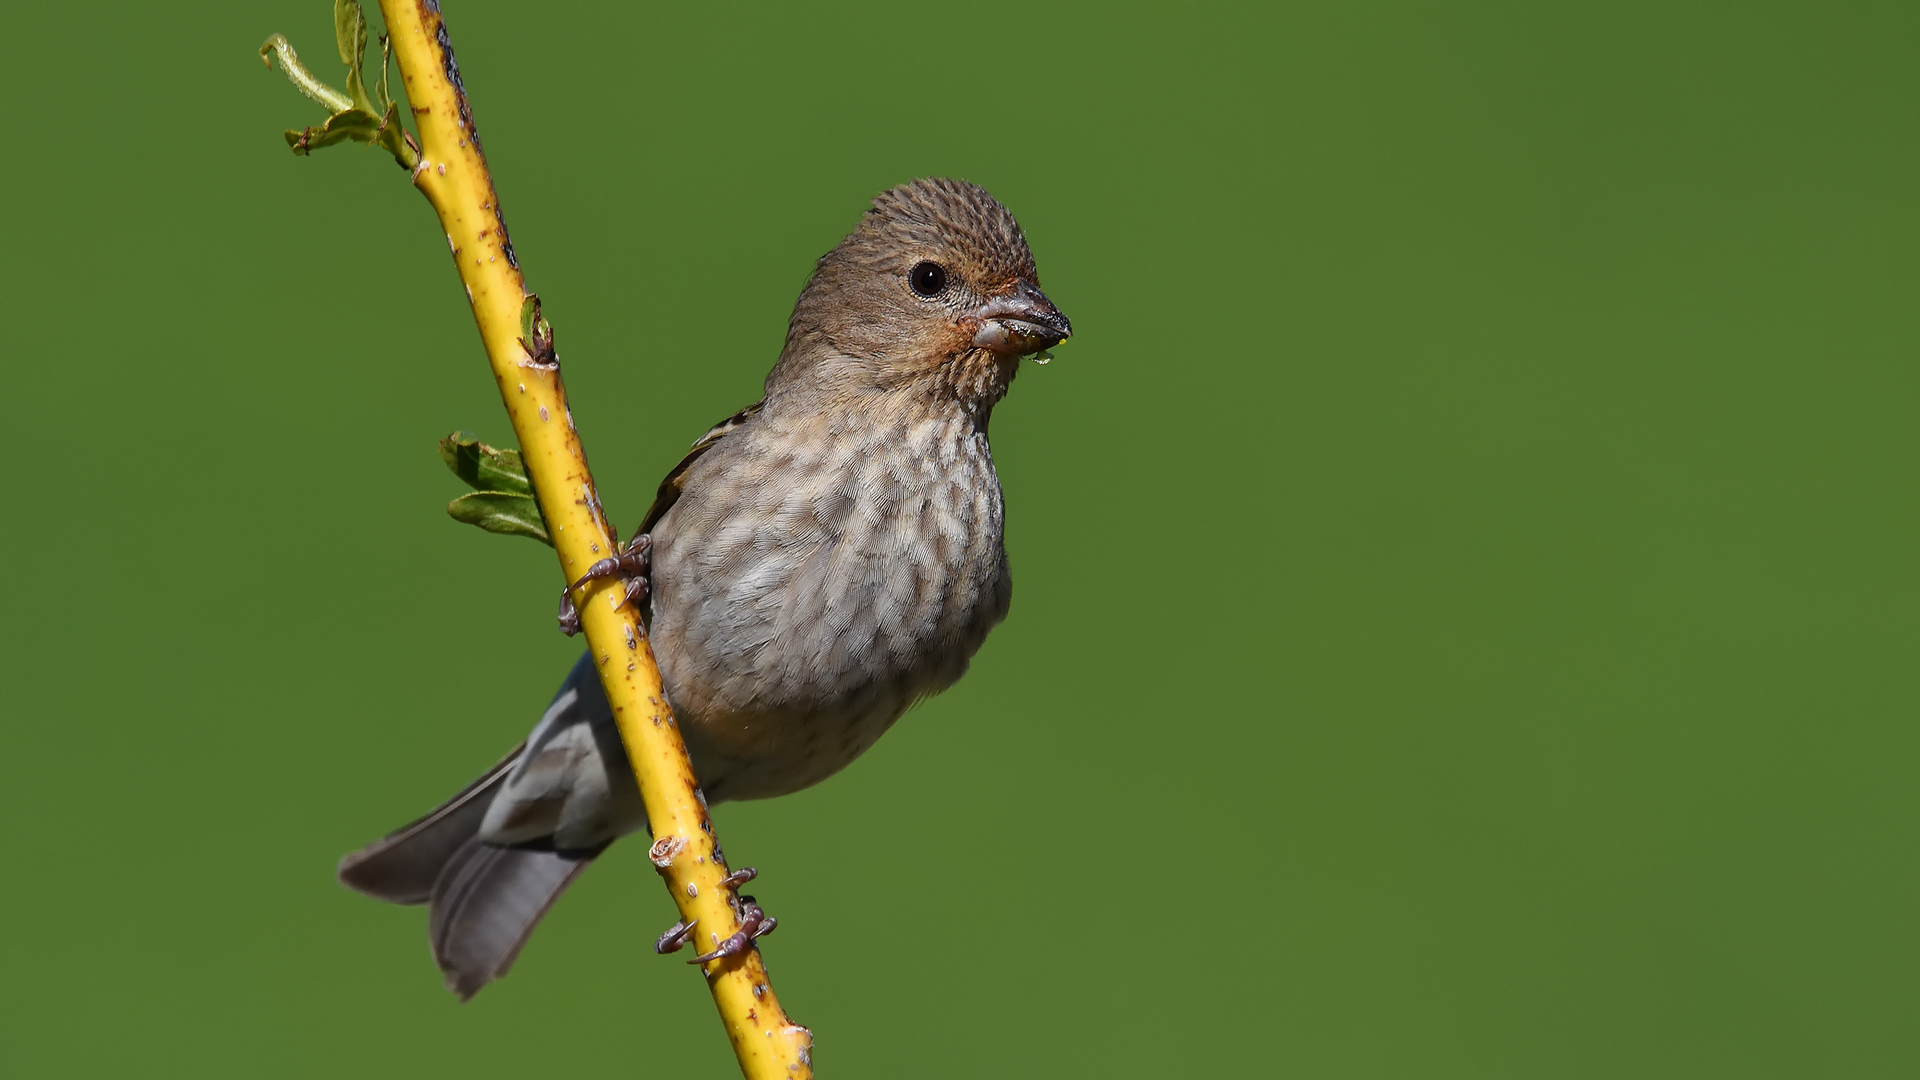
927 278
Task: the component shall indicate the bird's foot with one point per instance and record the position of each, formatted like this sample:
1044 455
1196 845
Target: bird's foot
754 922
629 565
754 925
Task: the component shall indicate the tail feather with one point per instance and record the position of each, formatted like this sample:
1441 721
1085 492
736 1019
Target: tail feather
487 902
401 867
484 900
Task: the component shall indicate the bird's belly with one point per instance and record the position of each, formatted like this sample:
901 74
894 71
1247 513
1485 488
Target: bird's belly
794 628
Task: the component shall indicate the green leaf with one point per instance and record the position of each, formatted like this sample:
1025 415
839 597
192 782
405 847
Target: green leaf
349 30
536 334
500 512
340 127
355 115
356 124
483 467
391 136
529 315
302 79
350 33
380 95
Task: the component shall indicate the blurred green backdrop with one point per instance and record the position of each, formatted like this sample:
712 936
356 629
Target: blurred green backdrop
1471 539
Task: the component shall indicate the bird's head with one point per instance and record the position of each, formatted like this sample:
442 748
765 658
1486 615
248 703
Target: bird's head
934 289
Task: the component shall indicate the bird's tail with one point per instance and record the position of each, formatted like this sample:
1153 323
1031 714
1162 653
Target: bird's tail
484 901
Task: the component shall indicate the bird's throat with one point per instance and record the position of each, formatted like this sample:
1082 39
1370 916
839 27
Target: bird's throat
976 380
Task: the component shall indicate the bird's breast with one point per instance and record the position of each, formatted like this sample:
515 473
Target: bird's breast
816 578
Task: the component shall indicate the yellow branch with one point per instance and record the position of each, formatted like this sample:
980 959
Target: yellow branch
452 173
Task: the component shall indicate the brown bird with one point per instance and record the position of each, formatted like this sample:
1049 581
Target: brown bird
819 561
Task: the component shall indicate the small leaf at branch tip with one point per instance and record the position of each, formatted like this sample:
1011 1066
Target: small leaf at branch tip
352 110
349 30
341 126
350 34
332 100
384 99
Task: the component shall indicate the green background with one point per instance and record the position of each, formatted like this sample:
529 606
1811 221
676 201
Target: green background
1466 598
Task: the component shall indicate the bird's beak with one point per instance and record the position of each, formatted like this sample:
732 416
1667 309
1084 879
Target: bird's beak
1020 321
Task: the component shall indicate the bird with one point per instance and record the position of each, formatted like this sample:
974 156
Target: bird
816 564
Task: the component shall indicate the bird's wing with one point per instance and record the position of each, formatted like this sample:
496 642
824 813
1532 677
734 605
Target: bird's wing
671 487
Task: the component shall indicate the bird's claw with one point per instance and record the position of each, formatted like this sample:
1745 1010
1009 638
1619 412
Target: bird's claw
675 937
754 925
754 922
630 565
